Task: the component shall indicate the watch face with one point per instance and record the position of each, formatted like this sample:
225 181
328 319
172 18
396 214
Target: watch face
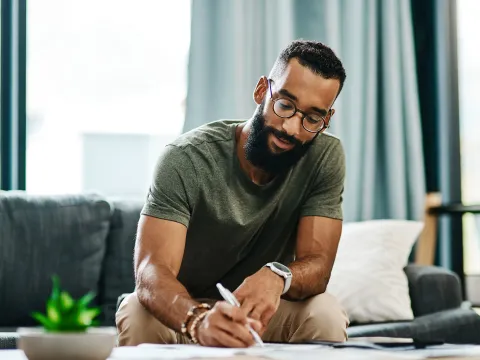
281 267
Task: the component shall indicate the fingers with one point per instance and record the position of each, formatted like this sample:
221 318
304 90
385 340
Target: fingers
267 316
237 330
239 294
255 324
247 307
263 313
226 326
226 340
257 312
232 312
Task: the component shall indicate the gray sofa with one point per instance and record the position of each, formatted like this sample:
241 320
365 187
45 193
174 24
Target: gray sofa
88 241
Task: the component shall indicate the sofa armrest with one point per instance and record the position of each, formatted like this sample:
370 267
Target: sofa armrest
433 289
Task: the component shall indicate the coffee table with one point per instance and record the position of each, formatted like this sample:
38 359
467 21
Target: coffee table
324 353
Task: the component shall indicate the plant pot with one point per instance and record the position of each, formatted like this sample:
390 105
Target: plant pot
93 344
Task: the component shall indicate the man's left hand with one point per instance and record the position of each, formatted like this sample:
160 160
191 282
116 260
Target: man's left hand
260 295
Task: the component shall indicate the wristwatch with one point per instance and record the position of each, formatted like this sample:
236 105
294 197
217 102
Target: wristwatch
282 271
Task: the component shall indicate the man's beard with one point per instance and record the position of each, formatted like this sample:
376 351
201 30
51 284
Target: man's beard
258 152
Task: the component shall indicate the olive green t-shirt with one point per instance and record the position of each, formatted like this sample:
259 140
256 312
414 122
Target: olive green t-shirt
235 226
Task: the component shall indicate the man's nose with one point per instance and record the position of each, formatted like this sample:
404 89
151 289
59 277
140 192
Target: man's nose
293 126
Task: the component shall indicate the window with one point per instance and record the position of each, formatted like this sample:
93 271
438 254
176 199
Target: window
106 87
469 85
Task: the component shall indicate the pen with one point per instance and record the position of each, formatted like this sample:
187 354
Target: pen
232 300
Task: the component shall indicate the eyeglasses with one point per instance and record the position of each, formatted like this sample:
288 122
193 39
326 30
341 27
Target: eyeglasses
285 108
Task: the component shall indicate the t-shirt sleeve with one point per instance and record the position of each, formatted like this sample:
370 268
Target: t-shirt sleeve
173 191
326 196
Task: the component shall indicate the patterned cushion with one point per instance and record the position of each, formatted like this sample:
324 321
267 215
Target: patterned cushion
8 338
46 235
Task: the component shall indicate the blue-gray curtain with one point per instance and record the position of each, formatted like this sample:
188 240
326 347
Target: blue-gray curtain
234 42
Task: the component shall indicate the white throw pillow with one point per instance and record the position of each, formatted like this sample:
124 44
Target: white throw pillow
368 277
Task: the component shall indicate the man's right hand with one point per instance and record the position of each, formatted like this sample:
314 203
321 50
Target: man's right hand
226 326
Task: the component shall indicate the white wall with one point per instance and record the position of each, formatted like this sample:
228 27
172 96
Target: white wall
120 164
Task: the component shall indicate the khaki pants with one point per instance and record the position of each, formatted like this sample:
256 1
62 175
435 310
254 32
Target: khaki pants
317 318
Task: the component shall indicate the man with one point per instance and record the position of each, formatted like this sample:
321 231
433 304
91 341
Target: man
229 198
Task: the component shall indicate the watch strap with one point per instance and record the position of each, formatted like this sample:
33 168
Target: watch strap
287 277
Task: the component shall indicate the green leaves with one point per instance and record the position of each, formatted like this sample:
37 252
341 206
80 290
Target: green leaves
53 313
86 317
66 301
86 299
63 313
42 319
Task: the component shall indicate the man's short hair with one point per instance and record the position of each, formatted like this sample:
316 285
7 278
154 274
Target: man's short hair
315 56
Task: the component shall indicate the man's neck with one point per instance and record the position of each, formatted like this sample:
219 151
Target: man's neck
258 176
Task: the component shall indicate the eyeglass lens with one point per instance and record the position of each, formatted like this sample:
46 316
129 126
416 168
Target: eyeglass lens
286 109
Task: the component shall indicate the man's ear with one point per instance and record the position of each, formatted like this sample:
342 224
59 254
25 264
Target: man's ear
260 90
328 118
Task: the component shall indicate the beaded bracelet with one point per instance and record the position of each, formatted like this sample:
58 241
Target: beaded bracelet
193 328
190 313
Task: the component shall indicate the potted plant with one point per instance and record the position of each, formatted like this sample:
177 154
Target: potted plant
67 330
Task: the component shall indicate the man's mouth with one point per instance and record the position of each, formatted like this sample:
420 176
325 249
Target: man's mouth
282 143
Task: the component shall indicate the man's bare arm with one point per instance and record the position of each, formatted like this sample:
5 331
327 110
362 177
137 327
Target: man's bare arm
316 248
158 255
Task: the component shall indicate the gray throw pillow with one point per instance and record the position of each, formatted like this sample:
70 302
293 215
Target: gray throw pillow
45 235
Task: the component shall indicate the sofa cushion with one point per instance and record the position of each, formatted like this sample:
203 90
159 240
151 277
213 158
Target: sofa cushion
368 277
45 235
456 326
117 274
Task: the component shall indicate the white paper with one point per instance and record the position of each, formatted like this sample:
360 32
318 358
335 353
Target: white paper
285 352
12 355
448 350
157 351
151 351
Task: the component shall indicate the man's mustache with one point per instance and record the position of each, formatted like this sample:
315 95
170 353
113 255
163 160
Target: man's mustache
283 136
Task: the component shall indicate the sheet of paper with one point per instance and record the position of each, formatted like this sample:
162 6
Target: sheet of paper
449 351
316 352
12 355
287 352
202 351
271 351
156 351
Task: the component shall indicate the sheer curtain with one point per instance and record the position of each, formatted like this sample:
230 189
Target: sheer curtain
378 119
233 43
378 115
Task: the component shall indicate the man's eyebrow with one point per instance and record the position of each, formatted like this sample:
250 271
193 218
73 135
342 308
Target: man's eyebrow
322 112
288 94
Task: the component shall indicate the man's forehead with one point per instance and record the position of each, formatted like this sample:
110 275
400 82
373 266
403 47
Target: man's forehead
296 75
303 82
